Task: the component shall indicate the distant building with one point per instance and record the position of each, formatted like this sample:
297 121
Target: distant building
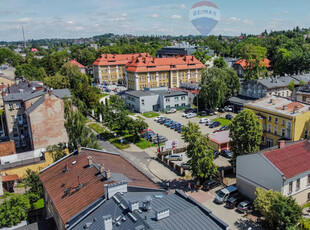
183 49
284 168
110 68
34 50
150 72
35 119
79 65
92 189
241 65
303 94
281 119
156 99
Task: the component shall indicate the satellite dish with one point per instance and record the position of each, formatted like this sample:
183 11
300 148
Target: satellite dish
204 16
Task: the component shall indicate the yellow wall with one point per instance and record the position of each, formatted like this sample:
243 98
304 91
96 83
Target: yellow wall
21 171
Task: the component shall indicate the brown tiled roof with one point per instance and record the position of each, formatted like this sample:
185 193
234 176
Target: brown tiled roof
55 180
10 178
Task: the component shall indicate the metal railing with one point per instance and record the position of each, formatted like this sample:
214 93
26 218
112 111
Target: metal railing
20 163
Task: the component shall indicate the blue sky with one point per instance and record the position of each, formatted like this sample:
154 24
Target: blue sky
80 18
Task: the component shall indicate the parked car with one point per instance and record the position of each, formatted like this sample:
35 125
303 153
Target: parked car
222 110
223 195
209 122
187 110
174 157
161 139
150 135
162 120
229 117
215 124
225 127
191 115
157 118
203 113
226 153
171 123
245 206
174 125
168 122
215 154
210 184
152 138
173 110
177 126
228 109
233 201
180 130
146 130
204 120
185 166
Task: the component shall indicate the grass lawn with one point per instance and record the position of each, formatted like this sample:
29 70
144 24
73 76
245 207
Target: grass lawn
39 204
141 117
150 114
20 185
98 128
117 143
223 121
130 113
199 116
143 144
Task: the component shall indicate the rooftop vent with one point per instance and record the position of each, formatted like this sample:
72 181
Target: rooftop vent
147 204
162 214
66 168
112 189
107 222
133 205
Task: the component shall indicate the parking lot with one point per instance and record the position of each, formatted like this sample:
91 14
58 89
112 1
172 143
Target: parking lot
171 134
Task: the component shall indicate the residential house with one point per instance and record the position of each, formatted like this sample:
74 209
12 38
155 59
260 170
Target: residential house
110 68
284 168
92 189
302 94
241 65
79 65
281 119
8 183
35 119
220 140
156 99
150 72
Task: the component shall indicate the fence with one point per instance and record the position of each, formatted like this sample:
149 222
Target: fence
178 169
20 163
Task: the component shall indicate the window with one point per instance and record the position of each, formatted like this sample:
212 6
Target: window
283 122
183 98
297 184
176 98
290 187
275 130
17 105
11 106
17 144
15 132
283 132
269 118
142 101
276 120
176 105
183 104
167 99
269 129
13 119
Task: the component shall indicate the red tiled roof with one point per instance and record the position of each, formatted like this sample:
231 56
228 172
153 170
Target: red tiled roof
242 62
10 178
116 59
55 180
74 62
148 63
220 137
292 159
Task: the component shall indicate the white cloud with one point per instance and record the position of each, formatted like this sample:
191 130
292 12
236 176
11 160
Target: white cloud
118 18
235 19
248 22
182 6
154 16
175 16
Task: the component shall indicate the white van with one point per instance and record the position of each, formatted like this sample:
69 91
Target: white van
223 195
174 157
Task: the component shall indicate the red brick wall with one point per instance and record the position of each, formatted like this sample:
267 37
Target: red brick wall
47 123
7 148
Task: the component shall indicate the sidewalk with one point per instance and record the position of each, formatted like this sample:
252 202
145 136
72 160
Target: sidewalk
161 171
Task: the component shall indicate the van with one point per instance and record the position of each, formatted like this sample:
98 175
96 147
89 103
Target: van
223 195
175 157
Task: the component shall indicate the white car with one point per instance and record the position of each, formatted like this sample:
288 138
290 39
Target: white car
204 120
209 122
191 115
228 109
157 118
184 114
174 157
173 110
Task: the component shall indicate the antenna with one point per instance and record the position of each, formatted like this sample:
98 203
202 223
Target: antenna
24 39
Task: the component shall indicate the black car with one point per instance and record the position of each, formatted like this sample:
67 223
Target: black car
233 201
229 117
215 124
226 153
203 113
223 128
210 184
222 110
215 154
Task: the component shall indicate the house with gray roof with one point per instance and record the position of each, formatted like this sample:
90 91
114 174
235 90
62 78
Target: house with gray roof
156 99
34 115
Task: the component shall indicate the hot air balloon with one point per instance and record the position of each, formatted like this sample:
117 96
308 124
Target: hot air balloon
204 16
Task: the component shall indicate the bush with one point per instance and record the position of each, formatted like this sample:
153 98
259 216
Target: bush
150 114
117 143
143 144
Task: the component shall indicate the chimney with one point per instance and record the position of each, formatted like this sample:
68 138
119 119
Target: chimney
112 189
281 144
107 174
50 92
90 161
107 222
101 168
133 206
79 148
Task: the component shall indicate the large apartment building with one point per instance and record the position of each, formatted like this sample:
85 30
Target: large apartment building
35 119
149 72
281 119
110 68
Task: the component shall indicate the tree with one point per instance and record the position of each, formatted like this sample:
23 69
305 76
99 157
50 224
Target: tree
291 86
220 63
30 72
245 134
77 131
14 210
254 57
33 182
199 152
280 212
57 151
135 127
57 82
8 56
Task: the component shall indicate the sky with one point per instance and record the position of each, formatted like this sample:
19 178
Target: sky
79 18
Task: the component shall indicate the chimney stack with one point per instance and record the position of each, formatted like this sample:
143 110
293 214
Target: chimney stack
90 161
281 144
101 168
79 148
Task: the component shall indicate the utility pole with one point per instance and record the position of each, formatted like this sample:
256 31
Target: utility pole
158 143
24 38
